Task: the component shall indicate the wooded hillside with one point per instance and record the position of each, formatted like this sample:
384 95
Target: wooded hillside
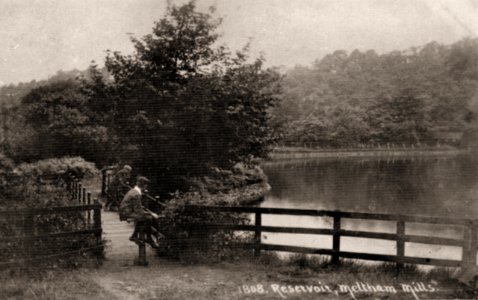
421 95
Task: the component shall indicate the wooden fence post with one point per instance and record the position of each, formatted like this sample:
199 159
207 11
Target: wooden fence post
469 245
83 201
400 243
465 252
473 242
75 194
28 231
108 182
97 225
257 234
70 190
89 211
78 194
141 261
67 184
73 191
103 182
336 240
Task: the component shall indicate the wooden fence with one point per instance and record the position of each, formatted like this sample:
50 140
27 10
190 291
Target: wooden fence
29 232
31 225
468 242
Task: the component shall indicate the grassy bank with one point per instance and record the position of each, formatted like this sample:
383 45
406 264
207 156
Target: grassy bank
266 278
282 153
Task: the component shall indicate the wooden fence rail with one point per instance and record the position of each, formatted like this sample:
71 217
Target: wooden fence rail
29 230
88 219
468 242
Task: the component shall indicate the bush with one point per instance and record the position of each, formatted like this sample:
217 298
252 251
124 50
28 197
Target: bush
46 251
185 241
75 166
31 185
19 188
6 170
220 180
239 186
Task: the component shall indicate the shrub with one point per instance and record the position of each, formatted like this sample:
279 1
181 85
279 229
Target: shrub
75 166
187 242
184 240
6 170
45 251
20 189
220 180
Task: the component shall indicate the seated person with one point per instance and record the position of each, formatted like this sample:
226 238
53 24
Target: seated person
115 193
131 207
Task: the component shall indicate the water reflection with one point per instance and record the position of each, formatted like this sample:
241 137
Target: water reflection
446 187
434 187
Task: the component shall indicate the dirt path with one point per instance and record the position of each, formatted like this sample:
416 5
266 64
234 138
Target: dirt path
119 278
161 279
119 248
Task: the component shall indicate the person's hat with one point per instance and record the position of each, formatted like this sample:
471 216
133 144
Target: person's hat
142 180
127 167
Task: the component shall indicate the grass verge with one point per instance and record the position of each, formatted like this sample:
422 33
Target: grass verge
51 285
269 277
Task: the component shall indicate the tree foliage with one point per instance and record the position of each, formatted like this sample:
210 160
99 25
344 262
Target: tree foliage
62 123
347 99
180 104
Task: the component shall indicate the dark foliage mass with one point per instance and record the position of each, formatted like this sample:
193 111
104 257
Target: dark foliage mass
50 120
35 185
12 94
180 105
406 97
62 122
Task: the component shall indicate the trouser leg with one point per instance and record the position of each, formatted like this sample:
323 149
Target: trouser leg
136 230
108 200
114 200
146 231
141 226
138 233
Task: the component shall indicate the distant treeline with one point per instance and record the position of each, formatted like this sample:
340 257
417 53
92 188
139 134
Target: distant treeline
41 119
424 95
11 95
186 116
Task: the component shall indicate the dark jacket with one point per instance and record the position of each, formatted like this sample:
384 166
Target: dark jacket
119 179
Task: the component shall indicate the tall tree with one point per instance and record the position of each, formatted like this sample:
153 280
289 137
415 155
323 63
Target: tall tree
181 105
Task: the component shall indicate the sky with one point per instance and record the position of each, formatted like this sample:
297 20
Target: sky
40 37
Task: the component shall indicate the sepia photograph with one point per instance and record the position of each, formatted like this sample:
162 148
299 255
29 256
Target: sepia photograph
238 149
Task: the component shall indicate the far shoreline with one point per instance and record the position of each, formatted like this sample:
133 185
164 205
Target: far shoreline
286 153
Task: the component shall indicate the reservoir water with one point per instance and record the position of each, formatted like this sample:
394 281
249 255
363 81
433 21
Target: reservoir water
434 186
